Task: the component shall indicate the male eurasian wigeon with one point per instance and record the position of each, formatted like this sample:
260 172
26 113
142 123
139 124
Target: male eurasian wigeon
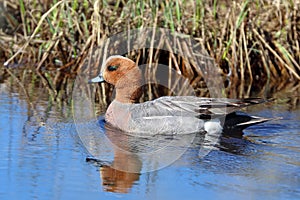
168 114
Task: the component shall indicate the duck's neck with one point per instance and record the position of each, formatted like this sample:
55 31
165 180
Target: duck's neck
128 94
128 89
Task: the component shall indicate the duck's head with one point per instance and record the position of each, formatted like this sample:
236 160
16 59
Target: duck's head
118 70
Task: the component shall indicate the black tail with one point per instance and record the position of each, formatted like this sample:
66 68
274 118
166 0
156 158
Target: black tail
236 122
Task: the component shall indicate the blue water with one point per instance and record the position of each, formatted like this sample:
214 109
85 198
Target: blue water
42 158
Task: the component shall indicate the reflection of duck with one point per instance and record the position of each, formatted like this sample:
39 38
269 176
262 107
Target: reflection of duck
123 172
135 155
114 180
169 115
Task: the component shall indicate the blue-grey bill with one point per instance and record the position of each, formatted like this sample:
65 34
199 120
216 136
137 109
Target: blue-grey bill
97 79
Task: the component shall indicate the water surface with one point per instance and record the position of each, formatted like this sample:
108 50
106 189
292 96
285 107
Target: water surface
42 158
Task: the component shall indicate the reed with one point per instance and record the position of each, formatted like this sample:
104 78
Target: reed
254 43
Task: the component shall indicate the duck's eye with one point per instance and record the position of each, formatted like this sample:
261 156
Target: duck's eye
112 68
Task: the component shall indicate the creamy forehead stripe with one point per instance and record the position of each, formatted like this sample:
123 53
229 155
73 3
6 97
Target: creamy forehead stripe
117 56
112 57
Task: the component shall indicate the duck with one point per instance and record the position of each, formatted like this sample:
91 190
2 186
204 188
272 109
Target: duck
168 114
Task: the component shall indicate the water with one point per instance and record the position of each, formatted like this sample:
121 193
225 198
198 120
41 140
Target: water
42 158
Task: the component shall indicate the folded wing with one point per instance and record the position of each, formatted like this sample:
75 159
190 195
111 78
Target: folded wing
204 108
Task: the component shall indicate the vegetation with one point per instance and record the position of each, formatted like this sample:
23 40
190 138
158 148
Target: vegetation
255 43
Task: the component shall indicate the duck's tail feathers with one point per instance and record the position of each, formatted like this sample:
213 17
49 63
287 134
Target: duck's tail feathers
255 120
238 121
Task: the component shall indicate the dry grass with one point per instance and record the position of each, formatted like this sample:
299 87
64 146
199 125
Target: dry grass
254 43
